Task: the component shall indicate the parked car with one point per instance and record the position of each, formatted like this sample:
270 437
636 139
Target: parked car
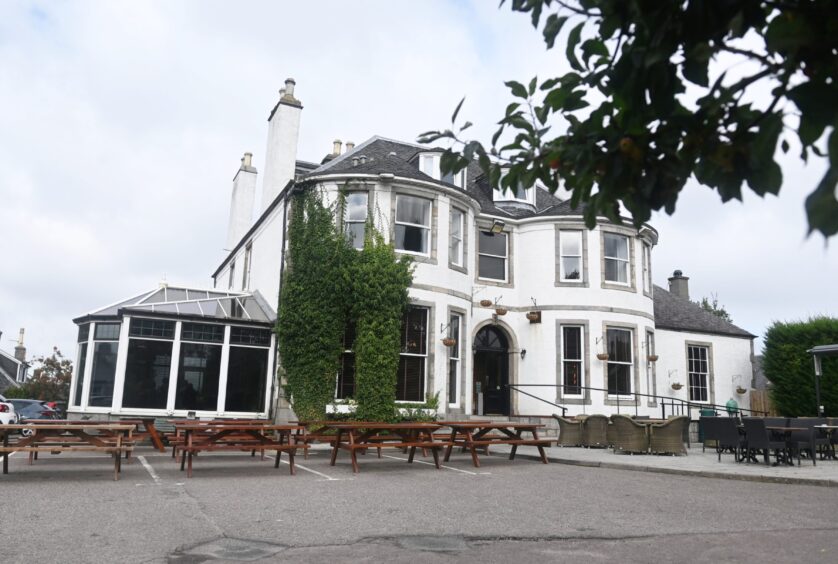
7 412
28 409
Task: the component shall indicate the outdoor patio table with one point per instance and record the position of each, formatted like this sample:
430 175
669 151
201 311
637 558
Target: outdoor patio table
472 435
114 439
366 435
786 433
210 436
829 430
144 427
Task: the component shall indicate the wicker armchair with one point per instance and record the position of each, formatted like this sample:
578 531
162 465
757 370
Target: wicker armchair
611 435
668 437
631 436
570 431
595 431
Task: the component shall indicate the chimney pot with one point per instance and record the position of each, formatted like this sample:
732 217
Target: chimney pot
336 147
247 159
350 145
289 87
679 285
20 350
363 159
354 161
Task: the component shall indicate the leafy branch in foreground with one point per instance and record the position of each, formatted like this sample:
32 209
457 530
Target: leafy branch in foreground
633 134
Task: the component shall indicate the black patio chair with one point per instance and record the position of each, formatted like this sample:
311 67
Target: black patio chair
728 437
811 441
758 439
709 431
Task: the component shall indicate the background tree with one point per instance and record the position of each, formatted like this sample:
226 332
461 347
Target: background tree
790 369
712 305
50 379
634 134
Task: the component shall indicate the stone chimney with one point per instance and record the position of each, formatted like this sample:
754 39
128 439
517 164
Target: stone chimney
20 350
241 204
283 134
680 285
336 144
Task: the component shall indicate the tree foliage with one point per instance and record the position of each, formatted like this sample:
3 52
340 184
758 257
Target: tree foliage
327 285
50 380
712 305
633 133
790 368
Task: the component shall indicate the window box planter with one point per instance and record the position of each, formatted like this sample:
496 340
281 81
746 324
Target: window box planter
341 408
486 303
449 342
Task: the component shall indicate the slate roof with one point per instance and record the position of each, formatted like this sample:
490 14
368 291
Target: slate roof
398 158
679 314
9 367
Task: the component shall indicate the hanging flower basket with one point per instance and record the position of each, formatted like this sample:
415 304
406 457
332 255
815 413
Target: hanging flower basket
677 386
740 390
501 310
602 356
449 342
653 358
534 316
486 303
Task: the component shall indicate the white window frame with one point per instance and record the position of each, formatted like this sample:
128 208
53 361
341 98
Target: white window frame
624 263
418 355
691 365
563 234
248 257
347 221
459 259
629 363
429 163
505 257
580 360
232 275
453 318
647 268
427 228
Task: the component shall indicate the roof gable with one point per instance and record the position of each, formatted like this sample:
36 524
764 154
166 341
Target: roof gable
679 314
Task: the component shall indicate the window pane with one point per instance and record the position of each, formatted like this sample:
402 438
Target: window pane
456 224
616 271
202 332
572 377
411 238
572 343
250 336
197 378
454 331
448 177
414 331
455 251
619 379
493 244
346 376
356 206
107 332
84 332
82 361
355 234
571 243
619 345
413 210
152 328
453 377
492 267
246 379
147 374
428 165
104 370
616 246
571 268
411 378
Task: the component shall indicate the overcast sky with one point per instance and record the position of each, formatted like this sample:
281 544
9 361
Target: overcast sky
122 125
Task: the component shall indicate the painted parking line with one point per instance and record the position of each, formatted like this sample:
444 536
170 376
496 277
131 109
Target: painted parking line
432 464
307 469
151 472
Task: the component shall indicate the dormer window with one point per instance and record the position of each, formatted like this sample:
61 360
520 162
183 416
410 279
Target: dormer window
517 194
429 164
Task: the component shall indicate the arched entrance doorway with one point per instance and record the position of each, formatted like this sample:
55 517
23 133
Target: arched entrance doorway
491 371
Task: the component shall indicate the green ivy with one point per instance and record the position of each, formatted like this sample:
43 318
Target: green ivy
790 368
326 285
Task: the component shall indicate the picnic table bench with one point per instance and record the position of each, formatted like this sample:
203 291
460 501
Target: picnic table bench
474 434
365 435
176 437
110 438
207 436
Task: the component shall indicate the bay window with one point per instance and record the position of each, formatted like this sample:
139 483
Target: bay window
413 225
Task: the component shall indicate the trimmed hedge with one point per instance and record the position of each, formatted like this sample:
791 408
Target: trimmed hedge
790 368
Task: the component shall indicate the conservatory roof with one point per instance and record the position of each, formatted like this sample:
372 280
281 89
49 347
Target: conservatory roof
179 301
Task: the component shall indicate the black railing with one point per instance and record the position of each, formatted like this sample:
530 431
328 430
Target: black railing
677 406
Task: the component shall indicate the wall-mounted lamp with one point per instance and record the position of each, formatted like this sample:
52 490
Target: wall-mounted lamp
497 226
523 353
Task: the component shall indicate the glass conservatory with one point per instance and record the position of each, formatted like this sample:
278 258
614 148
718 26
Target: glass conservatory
176 352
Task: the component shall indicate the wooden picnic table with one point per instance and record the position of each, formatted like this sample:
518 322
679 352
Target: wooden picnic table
144 427
201 436
365 435
112 438
474 434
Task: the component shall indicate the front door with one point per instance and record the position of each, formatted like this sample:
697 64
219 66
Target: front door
491 371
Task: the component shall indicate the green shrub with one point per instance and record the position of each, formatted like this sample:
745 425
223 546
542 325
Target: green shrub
790 368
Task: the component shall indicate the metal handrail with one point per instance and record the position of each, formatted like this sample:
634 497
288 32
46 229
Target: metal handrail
680 407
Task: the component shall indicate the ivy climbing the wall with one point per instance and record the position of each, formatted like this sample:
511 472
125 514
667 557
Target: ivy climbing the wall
327 284
312 312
